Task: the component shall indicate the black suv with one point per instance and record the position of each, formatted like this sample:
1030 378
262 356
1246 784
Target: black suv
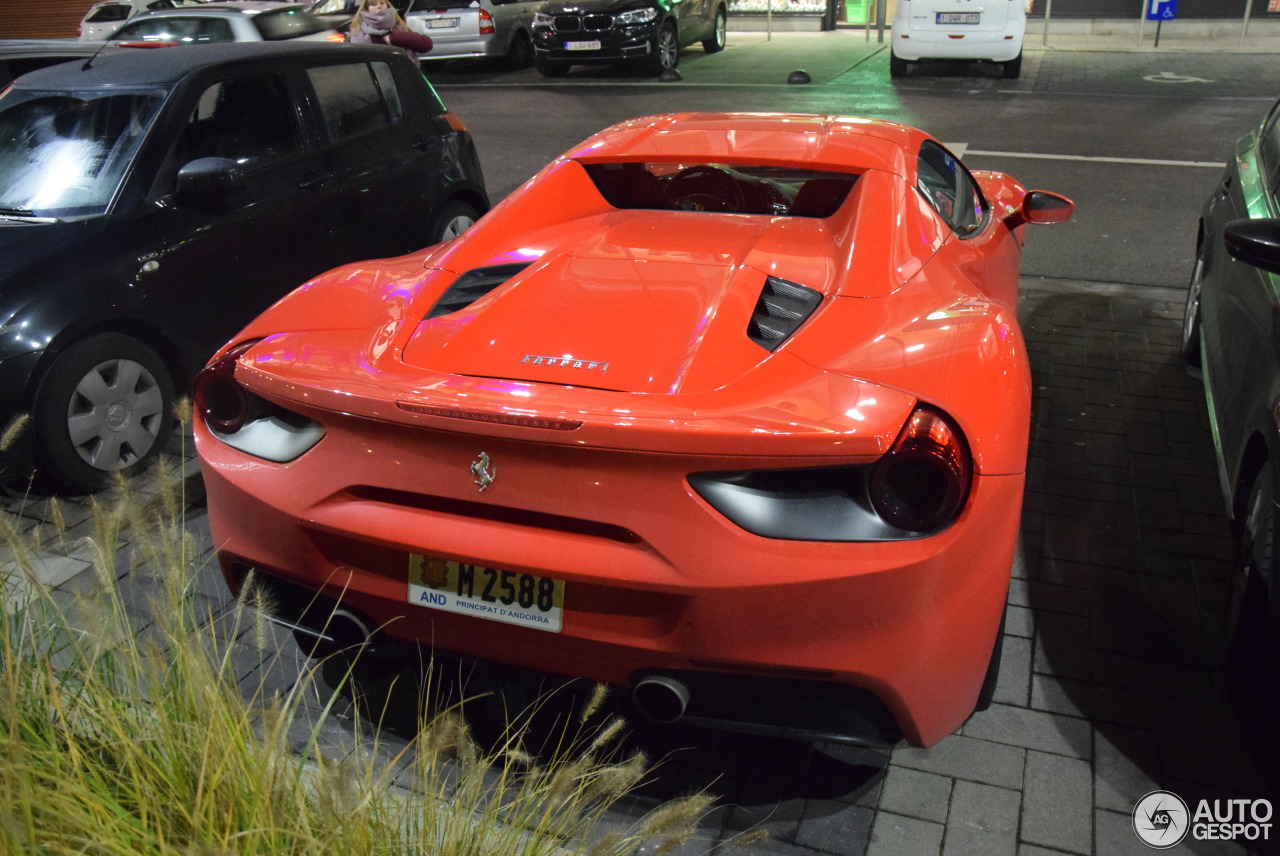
649 33
152 202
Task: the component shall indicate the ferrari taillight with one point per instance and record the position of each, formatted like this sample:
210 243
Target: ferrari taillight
922 483
220 401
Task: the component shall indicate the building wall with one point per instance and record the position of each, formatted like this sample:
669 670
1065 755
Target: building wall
42 19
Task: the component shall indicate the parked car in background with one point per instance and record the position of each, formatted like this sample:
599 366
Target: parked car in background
968 30
242 21
153 201
649 33
498 30
729 410
19 56
1230 337
106 17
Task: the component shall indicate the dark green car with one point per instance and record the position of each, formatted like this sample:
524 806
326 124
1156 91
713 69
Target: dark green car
1231 336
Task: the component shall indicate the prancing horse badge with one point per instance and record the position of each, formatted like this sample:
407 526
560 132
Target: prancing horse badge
483 471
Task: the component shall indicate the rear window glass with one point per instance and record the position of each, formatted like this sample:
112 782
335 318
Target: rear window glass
355 99
717 187
189 31
287 24
421 6
106 14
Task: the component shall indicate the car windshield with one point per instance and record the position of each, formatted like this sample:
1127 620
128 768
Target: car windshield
723 188
63 154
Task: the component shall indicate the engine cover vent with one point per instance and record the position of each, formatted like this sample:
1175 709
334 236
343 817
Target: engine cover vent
783 306
471 286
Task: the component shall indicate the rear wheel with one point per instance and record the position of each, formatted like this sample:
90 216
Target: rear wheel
1249 637
519 52
715 44
104 407
1013 68
897 65
666 49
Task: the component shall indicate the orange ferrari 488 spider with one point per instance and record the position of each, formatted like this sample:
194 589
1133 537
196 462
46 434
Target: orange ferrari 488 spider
729 410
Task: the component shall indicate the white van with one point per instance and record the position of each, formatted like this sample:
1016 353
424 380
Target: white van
975 30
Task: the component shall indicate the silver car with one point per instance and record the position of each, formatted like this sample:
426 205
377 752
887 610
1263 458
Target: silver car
499 30
249 21
105 18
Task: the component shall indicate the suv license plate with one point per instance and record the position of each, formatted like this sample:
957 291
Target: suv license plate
507 596
582 46
442 23
958 18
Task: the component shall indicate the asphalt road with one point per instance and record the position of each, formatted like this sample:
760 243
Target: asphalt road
1135 138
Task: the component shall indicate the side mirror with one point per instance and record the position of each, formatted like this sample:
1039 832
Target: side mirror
1254 242
206 178
1041 207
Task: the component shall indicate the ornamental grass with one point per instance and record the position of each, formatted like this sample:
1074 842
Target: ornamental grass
126 731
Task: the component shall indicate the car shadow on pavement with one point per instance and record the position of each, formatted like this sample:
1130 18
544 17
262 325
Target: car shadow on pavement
1127 554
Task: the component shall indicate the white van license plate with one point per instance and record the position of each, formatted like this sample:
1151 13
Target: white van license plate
959 18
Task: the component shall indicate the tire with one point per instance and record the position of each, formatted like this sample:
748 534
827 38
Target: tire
519 53
1191 318
1012 69
716 43
548 68
897 65
1249 639
666 49
104 406
455 218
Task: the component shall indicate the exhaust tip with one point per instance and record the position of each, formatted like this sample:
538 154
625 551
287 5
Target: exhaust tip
660 698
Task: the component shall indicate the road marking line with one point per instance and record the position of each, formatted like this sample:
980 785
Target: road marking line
1095 159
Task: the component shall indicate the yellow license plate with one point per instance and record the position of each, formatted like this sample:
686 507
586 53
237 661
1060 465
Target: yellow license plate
507 596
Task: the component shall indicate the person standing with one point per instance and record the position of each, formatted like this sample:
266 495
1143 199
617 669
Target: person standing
377 22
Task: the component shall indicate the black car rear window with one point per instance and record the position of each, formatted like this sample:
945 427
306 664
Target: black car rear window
287 24
421 6
717 187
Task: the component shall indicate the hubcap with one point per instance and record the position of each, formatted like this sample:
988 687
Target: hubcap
1192 310
456 226
115 415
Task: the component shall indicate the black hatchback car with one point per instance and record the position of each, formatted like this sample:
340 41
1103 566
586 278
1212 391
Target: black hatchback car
648 33
1231 336
152 202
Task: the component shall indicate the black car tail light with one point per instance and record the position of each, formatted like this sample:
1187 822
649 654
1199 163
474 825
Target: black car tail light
922 483
220 401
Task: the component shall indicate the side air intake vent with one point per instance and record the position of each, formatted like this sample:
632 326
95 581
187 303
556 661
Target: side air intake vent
471 286
783 306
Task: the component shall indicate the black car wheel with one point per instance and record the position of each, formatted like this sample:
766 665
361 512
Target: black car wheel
550 68
1191 318
1013 68
105 406
897 65
666 49
1249 638
455 218
519 52
715 44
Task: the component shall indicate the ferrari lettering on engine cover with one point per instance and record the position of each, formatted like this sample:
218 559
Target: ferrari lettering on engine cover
565 363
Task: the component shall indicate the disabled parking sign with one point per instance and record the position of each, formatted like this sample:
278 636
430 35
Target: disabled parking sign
1162 10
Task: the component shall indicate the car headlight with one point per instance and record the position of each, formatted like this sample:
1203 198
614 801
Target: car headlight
542 19
635 16
246 422
919 487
